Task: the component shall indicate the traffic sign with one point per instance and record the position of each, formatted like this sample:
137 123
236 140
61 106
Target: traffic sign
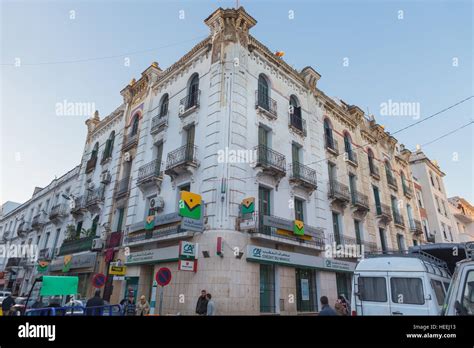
163 276
98 281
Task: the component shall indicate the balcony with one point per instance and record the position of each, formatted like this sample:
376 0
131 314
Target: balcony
338 192
163 234
296 122
383 212
57 212
182 160
407 191
13 262
360 201
23 228
398 220
374 171
415 227
189 104
280 230
76 246
303 176
37 222
352 243
158 123
90 166
331 145
270 162
45 254
351 157
392 182
122 187
150 175
79 205
94 199
266 105
131 140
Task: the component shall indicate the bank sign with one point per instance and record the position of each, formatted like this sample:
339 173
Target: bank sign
257 253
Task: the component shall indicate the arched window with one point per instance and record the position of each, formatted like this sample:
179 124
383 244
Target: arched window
328 134
402 176
347 143
109 146
136 120
193 92
95 223
370 156
295 113
389 174
164 105
95 150
263 92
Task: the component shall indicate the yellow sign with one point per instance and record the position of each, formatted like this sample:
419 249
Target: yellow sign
118 270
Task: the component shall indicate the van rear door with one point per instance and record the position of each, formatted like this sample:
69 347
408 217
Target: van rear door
371 293
409 294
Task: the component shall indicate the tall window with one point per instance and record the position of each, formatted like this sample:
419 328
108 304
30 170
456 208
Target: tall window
402 176
193 92
295 113
347 143
419 199
299 206
95 224
378 206
164 105
95 150
109 145
135 123
388 172
267 288
336 228
263 92
431 178
401 242
328 134
264 207
383 239
370 157
358 232
352 186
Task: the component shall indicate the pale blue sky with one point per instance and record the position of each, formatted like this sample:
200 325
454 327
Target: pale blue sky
405 60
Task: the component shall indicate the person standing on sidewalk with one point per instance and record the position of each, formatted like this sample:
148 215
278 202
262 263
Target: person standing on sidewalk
211 306
201 306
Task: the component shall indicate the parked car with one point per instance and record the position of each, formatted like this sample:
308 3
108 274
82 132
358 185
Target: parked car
401 284
460 297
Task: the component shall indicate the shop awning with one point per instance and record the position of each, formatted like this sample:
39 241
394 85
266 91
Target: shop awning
59 285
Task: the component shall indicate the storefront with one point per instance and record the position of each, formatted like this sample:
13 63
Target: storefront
288 279
80 265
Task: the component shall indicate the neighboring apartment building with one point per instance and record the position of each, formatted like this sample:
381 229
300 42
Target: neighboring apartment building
430 178
463 213
38 223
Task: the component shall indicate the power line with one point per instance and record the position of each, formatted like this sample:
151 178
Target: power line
449 133
107 57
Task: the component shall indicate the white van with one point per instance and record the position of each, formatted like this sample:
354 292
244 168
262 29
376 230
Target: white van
402 284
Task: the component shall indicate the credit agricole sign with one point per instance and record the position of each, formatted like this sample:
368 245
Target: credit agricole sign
257 253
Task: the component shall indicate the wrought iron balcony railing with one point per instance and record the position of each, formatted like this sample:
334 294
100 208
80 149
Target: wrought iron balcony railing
415 226
360 200
267 104
383 211
90 166
398 219
37 221
75 246
23 228
331 144
303 174
79 203
130 141
149 171
95 196
407 191
186 154
122 187
351 157
297 122
270 159
189 102
374 171
57 210
158 122
338 191
392 182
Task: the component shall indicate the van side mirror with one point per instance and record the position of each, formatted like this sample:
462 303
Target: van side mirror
428 297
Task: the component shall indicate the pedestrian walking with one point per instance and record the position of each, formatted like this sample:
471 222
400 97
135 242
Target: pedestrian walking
143 307
326 309
7 305
211 306
201 306
93 303
341 306
129 306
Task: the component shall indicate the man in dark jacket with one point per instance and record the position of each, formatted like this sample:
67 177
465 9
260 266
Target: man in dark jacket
201 307
95 301
7 304
326 310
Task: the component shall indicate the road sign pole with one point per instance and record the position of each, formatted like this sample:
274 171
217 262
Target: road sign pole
153 298
161 300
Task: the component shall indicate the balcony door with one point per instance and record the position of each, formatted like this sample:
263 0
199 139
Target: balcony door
263 144
159 158
295 155
336 228
263 93
190 132
378 206
352 186
263 207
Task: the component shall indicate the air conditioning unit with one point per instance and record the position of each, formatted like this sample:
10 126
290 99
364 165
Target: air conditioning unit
97 244
105 178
